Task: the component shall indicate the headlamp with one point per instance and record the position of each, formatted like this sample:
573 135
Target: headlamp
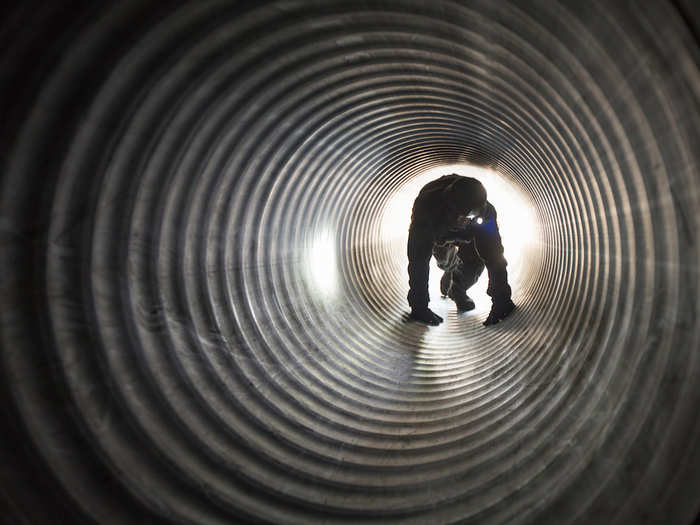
475 216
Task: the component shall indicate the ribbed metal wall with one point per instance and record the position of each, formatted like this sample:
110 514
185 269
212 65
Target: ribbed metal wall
167 350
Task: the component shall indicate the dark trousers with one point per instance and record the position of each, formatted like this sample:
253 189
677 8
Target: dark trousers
466 262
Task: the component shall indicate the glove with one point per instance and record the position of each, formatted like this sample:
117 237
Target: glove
445 283
499 310
426 315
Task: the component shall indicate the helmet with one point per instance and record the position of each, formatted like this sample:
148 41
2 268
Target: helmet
468 196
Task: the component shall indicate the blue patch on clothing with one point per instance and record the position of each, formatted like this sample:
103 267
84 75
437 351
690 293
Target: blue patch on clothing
489 227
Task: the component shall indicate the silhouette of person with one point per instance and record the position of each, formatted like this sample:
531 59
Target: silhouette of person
453 221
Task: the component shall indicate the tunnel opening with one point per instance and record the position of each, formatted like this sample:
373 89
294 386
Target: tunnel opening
518 224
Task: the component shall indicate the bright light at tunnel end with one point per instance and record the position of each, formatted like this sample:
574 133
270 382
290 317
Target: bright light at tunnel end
517 223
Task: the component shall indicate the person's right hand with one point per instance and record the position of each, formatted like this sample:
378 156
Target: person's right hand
426 315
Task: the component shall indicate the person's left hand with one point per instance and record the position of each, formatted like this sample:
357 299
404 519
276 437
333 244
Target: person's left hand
499 311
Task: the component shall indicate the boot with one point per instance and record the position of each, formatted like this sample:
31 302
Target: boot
462 300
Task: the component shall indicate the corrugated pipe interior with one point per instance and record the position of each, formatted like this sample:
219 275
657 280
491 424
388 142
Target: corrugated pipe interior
204 212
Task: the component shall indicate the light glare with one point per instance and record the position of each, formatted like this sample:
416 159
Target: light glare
321 264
